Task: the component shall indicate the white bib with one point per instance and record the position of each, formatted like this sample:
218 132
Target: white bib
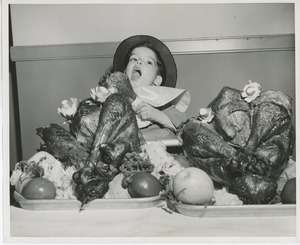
158 96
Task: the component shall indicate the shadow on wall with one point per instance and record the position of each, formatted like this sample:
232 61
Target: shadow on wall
15 145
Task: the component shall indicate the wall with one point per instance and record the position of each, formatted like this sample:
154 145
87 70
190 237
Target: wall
210 72
43 84
85 23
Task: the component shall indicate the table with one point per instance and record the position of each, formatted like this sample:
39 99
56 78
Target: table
152 223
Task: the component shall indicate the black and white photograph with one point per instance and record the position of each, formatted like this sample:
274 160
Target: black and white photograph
149 122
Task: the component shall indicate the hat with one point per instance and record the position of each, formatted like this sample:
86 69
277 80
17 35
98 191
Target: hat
170 76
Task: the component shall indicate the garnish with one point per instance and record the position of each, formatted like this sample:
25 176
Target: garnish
101 93
206 115
29 170
170 199
134 162
164 180
68 108
251 91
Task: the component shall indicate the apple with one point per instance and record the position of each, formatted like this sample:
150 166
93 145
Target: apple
193 186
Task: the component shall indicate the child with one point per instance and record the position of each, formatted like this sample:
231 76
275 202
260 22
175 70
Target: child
149 63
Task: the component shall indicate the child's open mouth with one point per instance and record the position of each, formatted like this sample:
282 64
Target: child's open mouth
136 73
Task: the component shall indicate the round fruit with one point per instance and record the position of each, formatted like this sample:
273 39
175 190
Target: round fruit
288 193
39 188
143 184
193 186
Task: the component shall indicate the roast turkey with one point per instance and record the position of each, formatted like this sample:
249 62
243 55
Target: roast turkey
246 146
100 134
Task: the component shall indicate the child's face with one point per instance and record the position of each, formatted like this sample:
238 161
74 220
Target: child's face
142 68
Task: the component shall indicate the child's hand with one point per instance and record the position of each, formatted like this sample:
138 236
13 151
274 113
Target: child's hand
146 112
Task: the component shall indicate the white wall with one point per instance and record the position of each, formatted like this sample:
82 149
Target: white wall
84 23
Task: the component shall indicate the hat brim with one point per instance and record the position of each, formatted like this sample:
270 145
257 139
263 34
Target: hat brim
166 55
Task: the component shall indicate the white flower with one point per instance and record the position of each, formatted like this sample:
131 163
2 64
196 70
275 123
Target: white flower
251 91
68 107
206 115
101 93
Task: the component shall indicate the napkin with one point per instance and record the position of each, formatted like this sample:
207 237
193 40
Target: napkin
158 96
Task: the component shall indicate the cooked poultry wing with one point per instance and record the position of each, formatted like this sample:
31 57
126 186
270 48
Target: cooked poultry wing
62 145
247 146
102 132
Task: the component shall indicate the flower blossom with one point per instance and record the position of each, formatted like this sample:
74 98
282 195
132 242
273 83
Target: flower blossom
101 93
206 115
251 91
68 108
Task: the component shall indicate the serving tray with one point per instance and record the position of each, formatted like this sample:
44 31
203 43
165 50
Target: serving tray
98 204
236 211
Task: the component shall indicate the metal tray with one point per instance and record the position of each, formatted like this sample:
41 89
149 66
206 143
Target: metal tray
98 204
236 211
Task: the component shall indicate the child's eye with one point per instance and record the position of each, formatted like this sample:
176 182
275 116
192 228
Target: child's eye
132 59
150 63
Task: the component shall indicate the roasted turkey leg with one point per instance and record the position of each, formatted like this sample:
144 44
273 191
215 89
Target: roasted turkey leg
271 117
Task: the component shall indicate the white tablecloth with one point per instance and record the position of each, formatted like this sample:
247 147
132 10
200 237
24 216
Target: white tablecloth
149 222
